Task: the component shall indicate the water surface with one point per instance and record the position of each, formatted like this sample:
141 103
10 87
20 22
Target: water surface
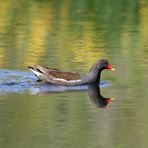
72 35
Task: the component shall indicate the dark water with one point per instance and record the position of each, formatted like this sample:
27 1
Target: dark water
71 35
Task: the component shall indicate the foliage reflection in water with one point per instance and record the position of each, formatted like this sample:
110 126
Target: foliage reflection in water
71 35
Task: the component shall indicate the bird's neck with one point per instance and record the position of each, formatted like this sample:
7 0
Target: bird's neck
93 76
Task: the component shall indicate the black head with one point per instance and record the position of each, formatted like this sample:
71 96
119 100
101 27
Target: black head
94 74
101 65
98 67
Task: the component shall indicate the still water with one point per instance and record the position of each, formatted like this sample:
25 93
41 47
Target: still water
72 35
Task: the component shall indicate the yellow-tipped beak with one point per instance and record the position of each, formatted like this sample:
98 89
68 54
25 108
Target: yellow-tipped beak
113 69
112 99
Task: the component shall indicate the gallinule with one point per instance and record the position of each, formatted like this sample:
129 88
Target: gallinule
56 76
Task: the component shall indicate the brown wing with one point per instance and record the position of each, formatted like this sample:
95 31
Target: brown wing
64 75
51 73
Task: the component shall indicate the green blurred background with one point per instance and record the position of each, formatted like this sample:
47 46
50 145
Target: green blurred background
71 35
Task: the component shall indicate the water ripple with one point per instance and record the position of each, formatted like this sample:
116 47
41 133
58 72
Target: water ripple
15 81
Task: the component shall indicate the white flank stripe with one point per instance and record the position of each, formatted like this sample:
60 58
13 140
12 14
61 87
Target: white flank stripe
36 72
71 81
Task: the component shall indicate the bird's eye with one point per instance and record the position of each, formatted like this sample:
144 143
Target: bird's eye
106 64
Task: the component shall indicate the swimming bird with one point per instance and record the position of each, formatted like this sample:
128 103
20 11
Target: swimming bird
56 76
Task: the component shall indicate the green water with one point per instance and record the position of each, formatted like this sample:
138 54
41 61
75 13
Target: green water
71 35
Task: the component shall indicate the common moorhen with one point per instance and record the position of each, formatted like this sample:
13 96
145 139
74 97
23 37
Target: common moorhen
56 76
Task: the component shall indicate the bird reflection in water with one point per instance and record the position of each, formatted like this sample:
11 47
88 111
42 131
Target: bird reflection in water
93 90
96 98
